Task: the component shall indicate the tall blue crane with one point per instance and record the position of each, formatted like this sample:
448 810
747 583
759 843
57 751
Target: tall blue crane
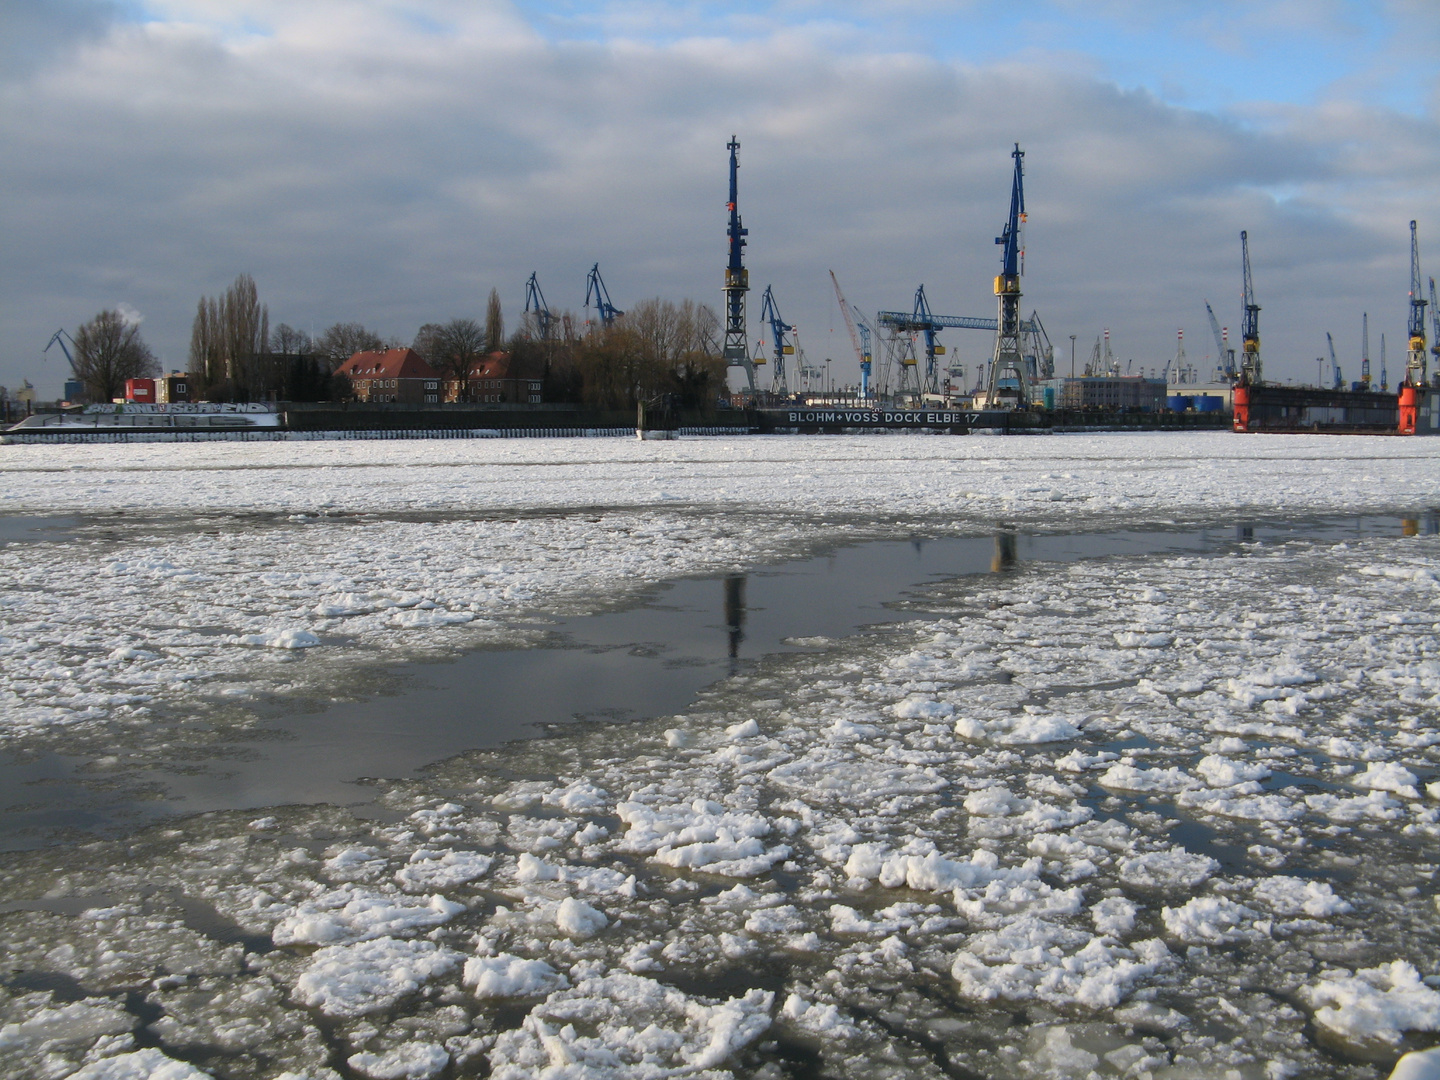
59 338
1435 319
1250 326
595 290
1415 325
535 302
1339 380
781 341
736 351
1008 361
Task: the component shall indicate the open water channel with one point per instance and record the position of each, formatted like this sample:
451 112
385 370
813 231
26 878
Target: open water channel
648 660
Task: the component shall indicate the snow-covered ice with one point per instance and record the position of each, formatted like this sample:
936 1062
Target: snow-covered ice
1154 816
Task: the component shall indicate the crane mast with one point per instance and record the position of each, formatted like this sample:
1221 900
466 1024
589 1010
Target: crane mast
1250 372
1008 359
1365 349
779 336
1339 379
535 303
1415 361
862 351
1224 361
58 338
595 290
735 352
1435 321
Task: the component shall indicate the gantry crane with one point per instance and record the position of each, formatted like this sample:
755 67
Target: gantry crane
781 340
1250 371
595 289
1338 379
535 304
1007 291
1415 361
737 279
862 348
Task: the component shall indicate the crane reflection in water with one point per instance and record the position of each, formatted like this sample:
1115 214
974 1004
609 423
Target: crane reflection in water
1006 557
735 615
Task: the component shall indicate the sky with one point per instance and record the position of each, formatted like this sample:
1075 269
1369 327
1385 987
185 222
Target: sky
389 162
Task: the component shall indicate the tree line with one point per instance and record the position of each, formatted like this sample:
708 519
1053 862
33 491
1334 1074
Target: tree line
658 349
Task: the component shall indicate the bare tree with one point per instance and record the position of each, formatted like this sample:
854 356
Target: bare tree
494 324
228 333
287 341
344 340
109 350
659 348
453 349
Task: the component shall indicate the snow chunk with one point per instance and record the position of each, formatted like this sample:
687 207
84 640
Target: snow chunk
1021 730
703 835
1033 958
1220 771
635 1028
577 919
1174 869
432 869
1388 777
147 1064
916 707
280 639
505 975
352 980
824 1020
1126 777
1294 896
1114 916
1375 1004
1142 640
355 915
1418 1065
1209 920
411 1061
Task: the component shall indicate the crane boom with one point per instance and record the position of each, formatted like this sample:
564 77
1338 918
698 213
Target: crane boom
783 344
58 338
862 353
1222 351
595 289
1435 320
1339 380
1008 359
535 302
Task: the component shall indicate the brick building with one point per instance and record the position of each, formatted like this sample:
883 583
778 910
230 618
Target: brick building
392 375
498 379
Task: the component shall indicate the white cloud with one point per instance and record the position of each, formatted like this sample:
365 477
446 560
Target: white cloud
391 162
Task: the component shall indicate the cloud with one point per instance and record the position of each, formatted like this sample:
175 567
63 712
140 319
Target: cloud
390 163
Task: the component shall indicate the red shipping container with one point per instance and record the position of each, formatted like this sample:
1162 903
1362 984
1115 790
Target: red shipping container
140 391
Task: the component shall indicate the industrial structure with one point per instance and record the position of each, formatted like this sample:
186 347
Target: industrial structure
595 291
536 308
735 350
1008 361
782 340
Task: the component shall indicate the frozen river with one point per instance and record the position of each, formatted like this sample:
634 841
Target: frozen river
899 756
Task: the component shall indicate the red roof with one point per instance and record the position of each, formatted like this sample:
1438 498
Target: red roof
387 364
494 366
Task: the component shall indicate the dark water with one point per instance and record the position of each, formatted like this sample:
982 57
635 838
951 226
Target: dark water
20 529
649 660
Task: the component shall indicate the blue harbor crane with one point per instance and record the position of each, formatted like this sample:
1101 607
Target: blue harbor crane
921 320
1250 327
1008 362
781 341
859 336
595 290
535 303
1226 356
1415 326
59 338
1338 380
1435 320
1384 375
735 351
